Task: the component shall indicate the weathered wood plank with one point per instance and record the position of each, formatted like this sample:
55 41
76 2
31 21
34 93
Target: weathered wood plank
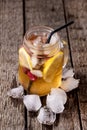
11 33
51 13
83 105
32 122
69 119
77 10
77 33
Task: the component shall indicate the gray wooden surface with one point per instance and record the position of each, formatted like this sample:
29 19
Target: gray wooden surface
78 40
15 18
11 35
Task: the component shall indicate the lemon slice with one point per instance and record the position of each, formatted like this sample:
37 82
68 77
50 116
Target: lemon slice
53 66
39 86
24 58
52 73
23 78
42 88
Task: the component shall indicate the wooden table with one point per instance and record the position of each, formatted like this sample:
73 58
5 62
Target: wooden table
16 16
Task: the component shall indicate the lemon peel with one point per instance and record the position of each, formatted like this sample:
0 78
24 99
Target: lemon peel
24 58
53 66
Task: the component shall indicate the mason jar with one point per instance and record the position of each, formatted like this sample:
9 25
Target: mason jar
41 63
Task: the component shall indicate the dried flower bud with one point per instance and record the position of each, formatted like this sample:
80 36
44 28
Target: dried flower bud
32 102
46 116
16 92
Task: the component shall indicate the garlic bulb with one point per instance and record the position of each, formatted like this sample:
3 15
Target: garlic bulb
56 100
16 92
69 84
37 73
32 102
46 116
67 73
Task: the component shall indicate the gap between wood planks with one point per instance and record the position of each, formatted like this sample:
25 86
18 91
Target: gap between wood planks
24 30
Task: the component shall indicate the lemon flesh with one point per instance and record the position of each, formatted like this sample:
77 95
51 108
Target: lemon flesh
53 66
52 73
24 58
38 86
42 88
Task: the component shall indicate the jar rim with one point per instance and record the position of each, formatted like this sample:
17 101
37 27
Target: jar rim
44 47
39 28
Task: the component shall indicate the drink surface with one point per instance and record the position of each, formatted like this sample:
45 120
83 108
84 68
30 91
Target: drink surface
40 64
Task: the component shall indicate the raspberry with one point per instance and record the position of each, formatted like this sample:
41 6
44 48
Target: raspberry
31 76
25 70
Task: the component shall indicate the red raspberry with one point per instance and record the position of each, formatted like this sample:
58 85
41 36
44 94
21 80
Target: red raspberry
25 70
31 76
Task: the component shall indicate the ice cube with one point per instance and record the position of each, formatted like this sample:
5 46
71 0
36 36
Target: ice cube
37 41
46 116
37 73
32 102
44 38
34 60
53 40
69 84
16 92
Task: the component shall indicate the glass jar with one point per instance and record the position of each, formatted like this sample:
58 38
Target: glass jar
41 63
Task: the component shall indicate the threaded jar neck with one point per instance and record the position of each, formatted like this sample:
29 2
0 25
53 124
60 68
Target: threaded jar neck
38 47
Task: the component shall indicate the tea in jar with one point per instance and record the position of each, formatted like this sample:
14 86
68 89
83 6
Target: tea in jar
40 63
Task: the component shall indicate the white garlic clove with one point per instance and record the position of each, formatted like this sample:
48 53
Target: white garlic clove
32 102
60 93
16 92
67 73
55 103
34 61
46 116
69 84
37 73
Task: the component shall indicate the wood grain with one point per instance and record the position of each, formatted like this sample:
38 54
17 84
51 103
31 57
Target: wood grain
51 13
77 10
77 33
11 33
